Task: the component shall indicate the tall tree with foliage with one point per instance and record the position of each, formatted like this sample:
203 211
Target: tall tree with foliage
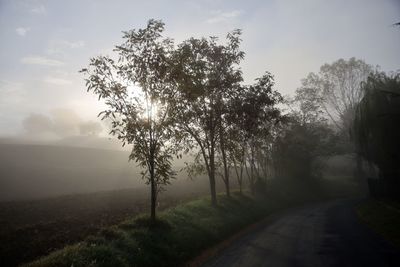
206 72
337 86
137 90
377 128
253 113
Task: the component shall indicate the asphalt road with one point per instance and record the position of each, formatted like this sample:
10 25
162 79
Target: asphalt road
327 234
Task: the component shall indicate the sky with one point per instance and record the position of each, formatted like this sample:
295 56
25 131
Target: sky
45 43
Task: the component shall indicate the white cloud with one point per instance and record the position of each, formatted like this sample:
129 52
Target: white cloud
39 60
22 31
57 80
39 10
223 16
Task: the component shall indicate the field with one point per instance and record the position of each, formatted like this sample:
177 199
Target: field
52 196
29 229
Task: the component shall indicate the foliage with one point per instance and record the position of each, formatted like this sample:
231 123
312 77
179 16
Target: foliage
206 73
304 139
253 117
377 127
336 90
137 89
299 148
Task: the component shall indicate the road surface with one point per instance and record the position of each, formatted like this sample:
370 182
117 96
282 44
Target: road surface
327 234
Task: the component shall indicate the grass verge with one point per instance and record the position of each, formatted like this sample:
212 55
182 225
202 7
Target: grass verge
383 217
181 233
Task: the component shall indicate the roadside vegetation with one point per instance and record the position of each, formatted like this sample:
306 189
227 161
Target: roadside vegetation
179 234
383 216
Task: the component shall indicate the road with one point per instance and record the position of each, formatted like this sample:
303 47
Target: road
327 234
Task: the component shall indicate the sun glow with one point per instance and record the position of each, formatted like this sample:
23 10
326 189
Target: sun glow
149 108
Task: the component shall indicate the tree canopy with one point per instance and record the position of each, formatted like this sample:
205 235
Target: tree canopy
137 89
377 127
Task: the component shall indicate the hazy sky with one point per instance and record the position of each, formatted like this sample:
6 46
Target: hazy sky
45 43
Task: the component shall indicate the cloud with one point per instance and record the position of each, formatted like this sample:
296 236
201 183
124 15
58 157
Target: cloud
57 81
39 10
39 60
223 16
22 31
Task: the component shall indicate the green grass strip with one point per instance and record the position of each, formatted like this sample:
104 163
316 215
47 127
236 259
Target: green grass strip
180 234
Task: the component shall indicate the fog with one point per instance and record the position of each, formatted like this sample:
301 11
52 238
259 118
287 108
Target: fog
164 127
40 171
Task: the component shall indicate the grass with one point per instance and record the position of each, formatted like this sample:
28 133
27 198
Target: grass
383 216
180 234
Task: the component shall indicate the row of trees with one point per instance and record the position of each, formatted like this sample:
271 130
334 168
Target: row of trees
348 107
321 116
167 100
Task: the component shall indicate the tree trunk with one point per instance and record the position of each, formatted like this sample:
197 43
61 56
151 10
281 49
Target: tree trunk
239 177
252 179
212 178
224 161
153 201
153 192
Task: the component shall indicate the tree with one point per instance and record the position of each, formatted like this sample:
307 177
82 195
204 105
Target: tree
307 105
137 89
300 142
252 114
206 72
377 128
337 87
298 149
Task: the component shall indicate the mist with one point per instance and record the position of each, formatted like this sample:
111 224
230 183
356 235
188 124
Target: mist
199 133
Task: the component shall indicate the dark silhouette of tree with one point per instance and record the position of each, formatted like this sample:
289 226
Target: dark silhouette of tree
377 128
206 72
137 90
253 113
